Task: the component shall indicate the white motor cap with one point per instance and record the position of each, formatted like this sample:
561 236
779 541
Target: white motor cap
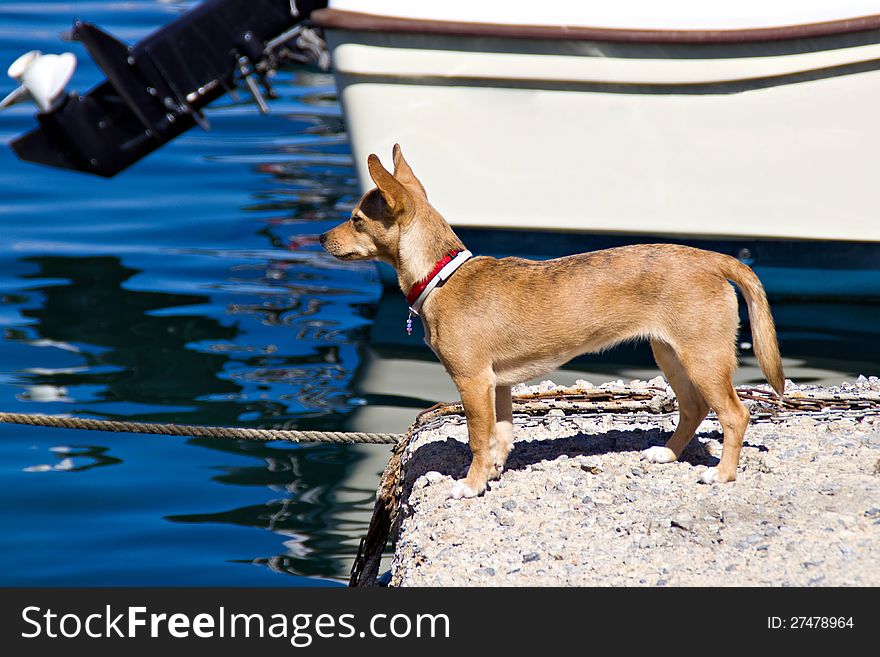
42 78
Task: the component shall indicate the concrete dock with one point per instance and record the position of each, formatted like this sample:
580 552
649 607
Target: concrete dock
577 507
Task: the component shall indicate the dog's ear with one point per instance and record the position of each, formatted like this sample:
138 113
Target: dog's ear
393 192
403 172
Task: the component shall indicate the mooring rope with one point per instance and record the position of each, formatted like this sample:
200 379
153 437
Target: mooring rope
238 433
620 400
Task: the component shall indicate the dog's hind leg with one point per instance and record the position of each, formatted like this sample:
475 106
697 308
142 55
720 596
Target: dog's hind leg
503 443
734 418
478 398
692 407
710 368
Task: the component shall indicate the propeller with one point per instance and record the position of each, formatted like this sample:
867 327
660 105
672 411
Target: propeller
42 78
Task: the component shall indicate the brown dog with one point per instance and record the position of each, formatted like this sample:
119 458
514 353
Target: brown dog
499 322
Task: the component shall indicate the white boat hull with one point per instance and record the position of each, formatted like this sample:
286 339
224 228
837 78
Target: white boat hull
758 140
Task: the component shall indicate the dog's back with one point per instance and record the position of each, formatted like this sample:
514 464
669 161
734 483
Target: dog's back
592 301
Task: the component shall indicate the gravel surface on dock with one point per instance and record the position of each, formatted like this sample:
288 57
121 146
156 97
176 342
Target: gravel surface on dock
577 507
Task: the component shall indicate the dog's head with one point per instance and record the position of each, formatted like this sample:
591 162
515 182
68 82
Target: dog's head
373 231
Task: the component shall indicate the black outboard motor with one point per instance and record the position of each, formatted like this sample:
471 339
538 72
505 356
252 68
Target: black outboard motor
158 88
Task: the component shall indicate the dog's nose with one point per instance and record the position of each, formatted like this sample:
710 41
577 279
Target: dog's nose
322 238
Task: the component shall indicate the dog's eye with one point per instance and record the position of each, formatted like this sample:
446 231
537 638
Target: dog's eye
355 218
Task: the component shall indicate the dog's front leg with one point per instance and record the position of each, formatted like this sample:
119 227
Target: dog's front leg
478 398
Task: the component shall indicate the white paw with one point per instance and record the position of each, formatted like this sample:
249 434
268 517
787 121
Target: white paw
461 490
710 476
658 454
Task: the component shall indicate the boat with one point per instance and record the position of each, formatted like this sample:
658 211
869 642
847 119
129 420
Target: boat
541 129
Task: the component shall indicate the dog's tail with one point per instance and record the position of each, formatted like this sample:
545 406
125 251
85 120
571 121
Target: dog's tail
763 330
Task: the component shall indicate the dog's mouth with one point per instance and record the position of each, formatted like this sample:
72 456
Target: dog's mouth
351 255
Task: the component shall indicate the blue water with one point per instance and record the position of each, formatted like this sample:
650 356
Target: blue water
171 293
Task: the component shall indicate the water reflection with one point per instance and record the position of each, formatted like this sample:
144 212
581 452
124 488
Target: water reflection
315 512
131 354
76 458
195 366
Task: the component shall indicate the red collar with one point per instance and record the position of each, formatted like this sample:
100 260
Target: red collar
419 287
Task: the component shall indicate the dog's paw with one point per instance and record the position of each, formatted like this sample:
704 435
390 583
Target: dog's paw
713 476
710 476
658 454
460 490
